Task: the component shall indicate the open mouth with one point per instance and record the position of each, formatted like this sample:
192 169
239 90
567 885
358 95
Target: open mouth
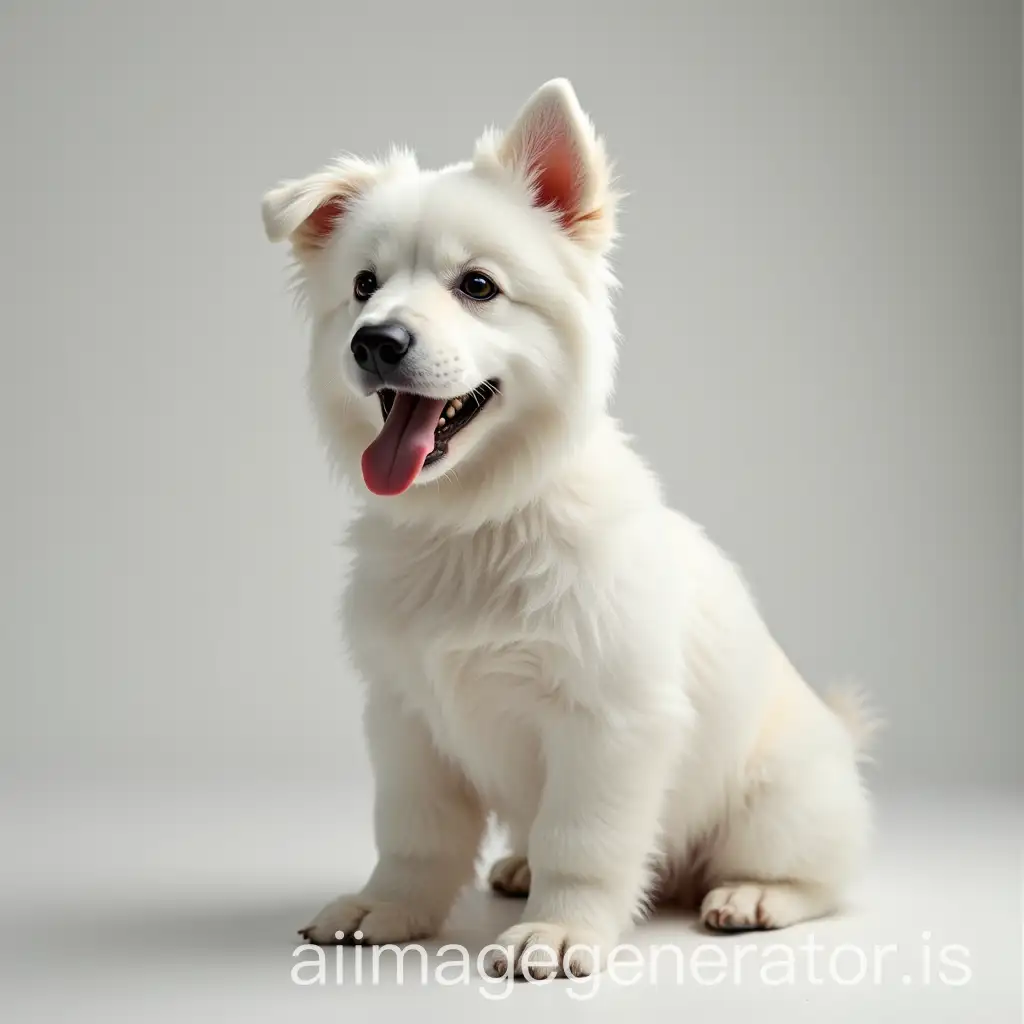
416 433
456 414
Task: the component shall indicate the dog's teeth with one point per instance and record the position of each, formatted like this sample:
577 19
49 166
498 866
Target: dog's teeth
441 422
457 403
450 411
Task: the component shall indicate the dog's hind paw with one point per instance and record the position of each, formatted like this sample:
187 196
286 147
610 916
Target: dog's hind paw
510 876
755 906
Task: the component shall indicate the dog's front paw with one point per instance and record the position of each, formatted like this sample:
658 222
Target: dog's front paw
353 920
540 950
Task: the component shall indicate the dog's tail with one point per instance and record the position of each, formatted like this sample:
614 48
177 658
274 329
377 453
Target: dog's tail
850 704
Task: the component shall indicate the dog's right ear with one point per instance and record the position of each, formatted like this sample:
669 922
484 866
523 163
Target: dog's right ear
307 211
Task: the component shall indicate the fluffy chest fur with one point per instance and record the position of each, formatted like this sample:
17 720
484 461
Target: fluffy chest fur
485 634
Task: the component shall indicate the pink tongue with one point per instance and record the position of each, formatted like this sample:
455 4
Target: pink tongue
392 461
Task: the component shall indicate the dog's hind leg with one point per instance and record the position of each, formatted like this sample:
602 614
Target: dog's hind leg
791 847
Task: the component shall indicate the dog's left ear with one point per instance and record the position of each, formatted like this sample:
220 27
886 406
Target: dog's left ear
552 144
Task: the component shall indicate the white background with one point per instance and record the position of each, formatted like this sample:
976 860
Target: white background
821 308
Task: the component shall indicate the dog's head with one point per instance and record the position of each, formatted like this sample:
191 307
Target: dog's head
462 334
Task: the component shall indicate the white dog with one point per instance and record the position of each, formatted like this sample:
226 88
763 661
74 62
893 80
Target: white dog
543 639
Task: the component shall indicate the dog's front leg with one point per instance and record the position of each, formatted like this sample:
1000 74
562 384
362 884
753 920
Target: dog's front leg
590 845
427 823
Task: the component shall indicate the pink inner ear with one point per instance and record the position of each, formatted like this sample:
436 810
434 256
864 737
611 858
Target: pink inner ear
320 223
555 170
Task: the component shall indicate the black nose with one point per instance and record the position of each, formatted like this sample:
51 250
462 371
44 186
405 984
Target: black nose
378 347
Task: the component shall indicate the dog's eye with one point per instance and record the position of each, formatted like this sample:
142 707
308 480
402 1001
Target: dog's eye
364 285
478 286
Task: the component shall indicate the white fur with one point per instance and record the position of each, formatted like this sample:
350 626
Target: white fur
542 638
